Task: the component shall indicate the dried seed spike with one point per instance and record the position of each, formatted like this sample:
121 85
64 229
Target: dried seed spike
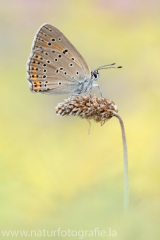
99 109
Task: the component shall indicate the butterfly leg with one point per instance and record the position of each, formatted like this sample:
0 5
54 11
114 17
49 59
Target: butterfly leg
71 98
90 95
94 86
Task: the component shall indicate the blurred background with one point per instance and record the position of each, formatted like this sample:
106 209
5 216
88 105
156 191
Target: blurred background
53 174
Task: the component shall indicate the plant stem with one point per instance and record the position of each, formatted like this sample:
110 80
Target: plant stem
125 159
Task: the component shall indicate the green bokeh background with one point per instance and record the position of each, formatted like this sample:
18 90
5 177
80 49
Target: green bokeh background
53 174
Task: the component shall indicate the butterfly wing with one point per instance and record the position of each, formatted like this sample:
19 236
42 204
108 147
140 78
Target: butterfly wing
55 66
52 72
50 37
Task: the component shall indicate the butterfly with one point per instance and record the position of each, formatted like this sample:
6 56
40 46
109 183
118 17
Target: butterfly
56 67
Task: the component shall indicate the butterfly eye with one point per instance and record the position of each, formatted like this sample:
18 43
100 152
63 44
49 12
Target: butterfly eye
71 64
48 61
57 71
44 65
65 73
77 73
72 58
49 44
44 70
59 39
96 75
53 39
41 58
56 59
46 53
59 83
44 76
61 68
59 56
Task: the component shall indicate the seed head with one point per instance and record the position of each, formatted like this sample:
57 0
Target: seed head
99 109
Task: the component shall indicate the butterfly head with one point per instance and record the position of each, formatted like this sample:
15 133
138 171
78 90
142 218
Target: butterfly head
95 75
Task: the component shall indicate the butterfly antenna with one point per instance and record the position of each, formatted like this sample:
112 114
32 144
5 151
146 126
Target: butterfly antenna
106 67
110 67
